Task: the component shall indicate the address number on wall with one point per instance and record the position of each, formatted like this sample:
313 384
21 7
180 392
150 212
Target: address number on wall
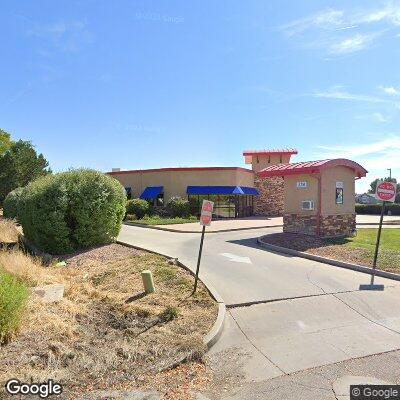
302 185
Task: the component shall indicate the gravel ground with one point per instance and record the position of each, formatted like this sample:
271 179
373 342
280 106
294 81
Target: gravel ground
103 254
320 247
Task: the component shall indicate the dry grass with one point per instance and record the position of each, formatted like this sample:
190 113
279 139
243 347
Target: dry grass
28 269
106 331
8 231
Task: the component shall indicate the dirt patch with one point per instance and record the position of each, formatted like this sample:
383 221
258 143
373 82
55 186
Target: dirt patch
106 333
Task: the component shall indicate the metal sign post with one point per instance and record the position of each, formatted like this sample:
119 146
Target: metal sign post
386 192
205 220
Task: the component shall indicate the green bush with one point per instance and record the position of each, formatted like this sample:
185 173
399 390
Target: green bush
11 204
138 207
178 207
72 210
194 208
375 209
13 297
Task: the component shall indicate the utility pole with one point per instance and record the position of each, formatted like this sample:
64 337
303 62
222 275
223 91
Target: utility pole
390 172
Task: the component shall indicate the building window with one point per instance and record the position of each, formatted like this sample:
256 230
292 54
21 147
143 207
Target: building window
225 206
339 196
128 192
280 158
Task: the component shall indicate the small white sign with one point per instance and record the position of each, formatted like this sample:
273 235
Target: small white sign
339 185
302 185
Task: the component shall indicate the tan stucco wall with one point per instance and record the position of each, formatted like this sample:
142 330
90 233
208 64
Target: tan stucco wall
294 196
329 179
176 182
263 161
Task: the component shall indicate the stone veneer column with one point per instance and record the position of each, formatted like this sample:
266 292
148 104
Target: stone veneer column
331 225
295 223
338 225
270 201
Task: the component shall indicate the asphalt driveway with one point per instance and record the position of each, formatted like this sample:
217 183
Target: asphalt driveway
286 314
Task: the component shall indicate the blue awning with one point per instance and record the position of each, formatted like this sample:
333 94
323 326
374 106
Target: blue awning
151 192
240 190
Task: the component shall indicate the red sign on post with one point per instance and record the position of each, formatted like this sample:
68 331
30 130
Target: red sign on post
386 191
206 213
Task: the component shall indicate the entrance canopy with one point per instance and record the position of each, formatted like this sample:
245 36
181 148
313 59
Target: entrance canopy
222 190
311 167
151 192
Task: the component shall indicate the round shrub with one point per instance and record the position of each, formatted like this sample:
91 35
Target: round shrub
11 204
72 210
137 207
178 207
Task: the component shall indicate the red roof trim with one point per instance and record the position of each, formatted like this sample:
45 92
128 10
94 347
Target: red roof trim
269 152
184 169
311 167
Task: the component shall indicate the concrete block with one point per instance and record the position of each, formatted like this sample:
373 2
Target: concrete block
50 293
148 282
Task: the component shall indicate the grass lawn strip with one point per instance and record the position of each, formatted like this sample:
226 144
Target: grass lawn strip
357 250
163 221
106 333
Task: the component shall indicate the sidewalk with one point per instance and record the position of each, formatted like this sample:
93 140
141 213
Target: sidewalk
238 224
227 224
374 219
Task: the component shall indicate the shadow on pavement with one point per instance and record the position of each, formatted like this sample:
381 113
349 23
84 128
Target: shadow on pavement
252 242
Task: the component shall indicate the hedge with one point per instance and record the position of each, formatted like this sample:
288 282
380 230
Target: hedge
13 297
376 208
11 204
72 210
178 207
138 207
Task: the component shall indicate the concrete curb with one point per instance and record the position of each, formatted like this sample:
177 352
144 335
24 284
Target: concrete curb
215 332
207 231
330 261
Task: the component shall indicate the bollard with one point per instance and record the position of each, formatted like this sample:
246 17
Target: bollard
148 282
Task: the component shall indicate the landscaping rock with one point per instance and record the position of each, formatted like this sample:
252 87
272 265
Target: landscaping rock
50 293
35 360
173 261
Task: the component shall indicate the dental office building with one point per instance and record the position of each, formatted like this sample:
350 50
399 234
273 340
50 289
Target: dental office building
265 189
236 191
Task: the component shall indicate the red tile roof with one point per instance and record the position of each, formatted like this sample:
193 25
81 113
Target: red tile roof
311 167
269 152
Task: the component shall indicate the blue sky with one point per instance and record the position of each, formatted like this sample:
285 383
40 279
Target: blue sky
139 84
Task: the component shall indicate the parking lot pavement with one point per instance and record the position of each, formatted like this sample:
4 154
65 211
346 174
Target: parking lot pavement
309 314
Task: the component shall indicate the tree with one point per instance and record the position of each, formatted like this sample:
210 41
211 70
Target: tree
5 141
19 165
